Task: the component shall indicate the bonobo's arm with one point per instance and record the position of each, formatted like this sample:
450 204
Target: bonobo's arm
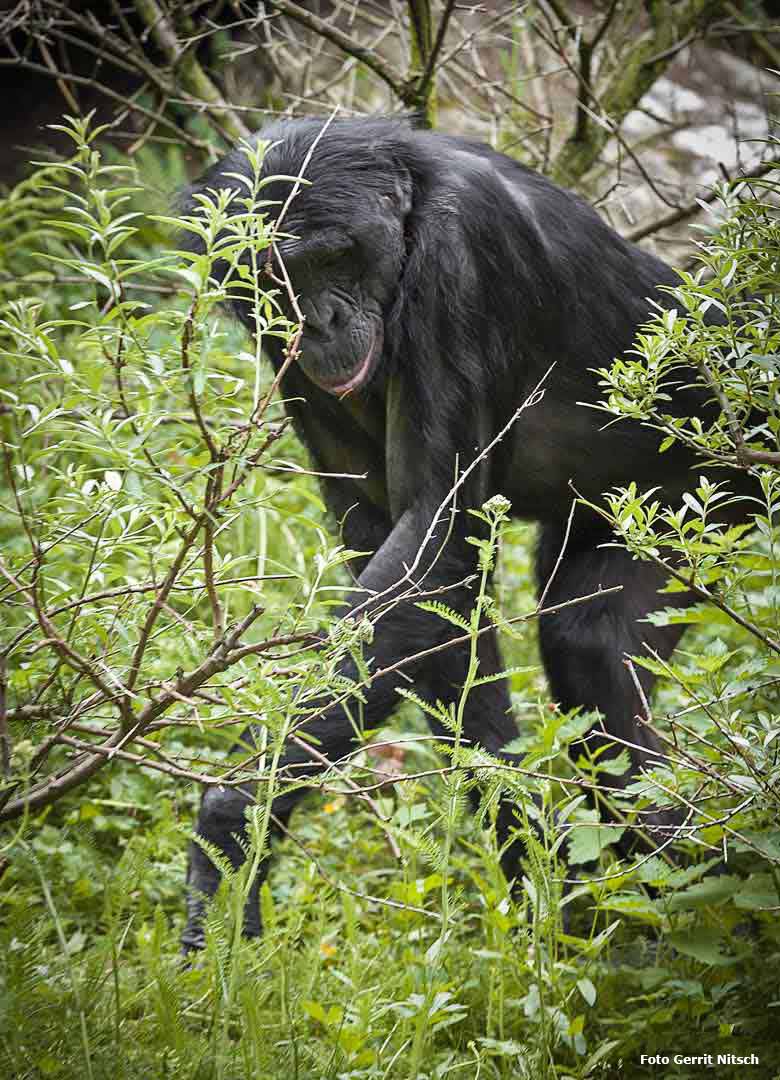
346 442
414 561
426 551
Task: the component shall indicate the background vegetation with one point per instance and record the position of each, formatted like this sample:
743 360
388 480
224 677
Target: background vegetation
166 565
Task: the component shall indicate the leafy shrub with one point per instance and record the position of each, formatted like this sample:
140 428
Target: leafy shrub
141 463
721 727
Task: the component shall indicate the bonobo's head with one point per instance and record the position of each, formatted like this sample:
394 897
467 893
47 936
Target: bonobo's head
341 236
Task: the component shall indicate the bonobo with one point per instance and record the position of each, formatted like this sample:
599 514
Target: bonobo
440 281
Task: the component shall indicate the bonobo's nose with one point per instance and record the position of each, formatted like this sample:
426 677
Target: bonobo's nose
326 316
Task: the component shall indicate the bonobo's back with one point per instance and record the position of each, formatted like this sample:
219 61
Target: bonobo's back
481 222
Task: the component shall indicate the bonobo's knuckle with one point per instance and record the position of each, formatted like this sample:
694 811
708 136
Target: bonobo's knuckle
223 807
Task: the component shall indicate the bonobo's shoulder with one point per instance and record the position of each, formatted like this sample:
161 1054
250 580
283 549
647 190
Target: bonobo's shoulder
465 154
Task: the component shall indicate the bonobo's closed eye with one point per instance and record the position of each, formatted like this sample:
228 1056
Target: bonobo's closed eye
315 249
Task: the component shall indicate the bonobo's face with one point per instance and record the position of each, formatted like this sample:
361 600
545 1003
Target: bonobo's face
342 244
345 276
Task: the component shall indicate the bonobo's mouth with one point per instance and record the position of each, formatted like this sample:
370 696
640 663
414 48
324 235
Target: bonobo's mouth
362 372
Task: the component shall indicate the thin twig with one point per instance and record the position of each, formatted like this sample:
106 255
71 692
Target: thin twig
693 207
187 69
343 41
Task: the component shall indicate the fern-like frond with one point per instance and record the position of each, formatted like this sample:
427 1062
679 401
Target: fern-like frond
438 711
446 613
507 673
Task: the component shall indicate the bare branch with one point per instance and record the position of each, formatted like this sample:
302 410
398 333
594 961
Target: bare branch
344 42
632 76
189 72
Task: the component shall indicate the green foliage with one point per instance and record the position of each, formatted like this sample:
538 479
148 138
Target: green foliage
140 452
718 545
736 360
393 946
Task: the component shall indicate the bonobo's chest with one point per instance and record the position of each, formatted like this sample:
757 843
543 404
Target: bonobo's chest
394 458
366 440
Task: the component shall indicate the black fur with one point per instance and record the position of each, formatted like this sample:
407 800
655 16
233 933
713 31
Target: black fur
476 275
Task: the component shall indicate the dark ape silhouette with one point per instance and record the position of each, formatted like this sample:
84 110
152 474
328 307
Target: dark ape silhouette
439 281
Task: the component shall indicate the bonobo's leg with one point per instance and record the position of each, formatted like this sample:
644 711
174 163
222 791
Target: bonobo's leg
583 648
222 821
487 721
401 630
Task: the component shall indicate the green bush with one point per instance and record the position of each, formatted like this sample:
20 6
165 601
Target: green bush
720 542
140 462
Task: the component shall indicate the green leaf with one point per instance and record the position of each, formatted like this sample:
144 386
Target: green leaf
588 990
599 1055
507 673
446 613
315 1011
587 838
636 906
758 893
703 943
711 891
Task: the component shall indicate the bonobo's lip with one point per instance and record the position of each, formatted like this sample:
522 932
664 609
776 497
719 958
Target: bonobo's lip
361 375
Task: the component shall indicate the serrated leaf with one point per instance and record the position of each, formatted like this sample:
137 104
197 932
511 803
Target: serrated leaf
587 838
635 906
758 893
437 712
711 891
703 943
507 673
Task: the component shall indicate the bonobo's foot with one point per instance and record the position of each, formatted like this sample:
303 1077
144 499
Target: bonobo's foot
222 823
508 825
193 936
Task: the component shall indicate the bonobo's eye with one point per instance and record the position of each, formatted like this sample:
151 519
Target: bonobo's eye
326 257
397 199
318 250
